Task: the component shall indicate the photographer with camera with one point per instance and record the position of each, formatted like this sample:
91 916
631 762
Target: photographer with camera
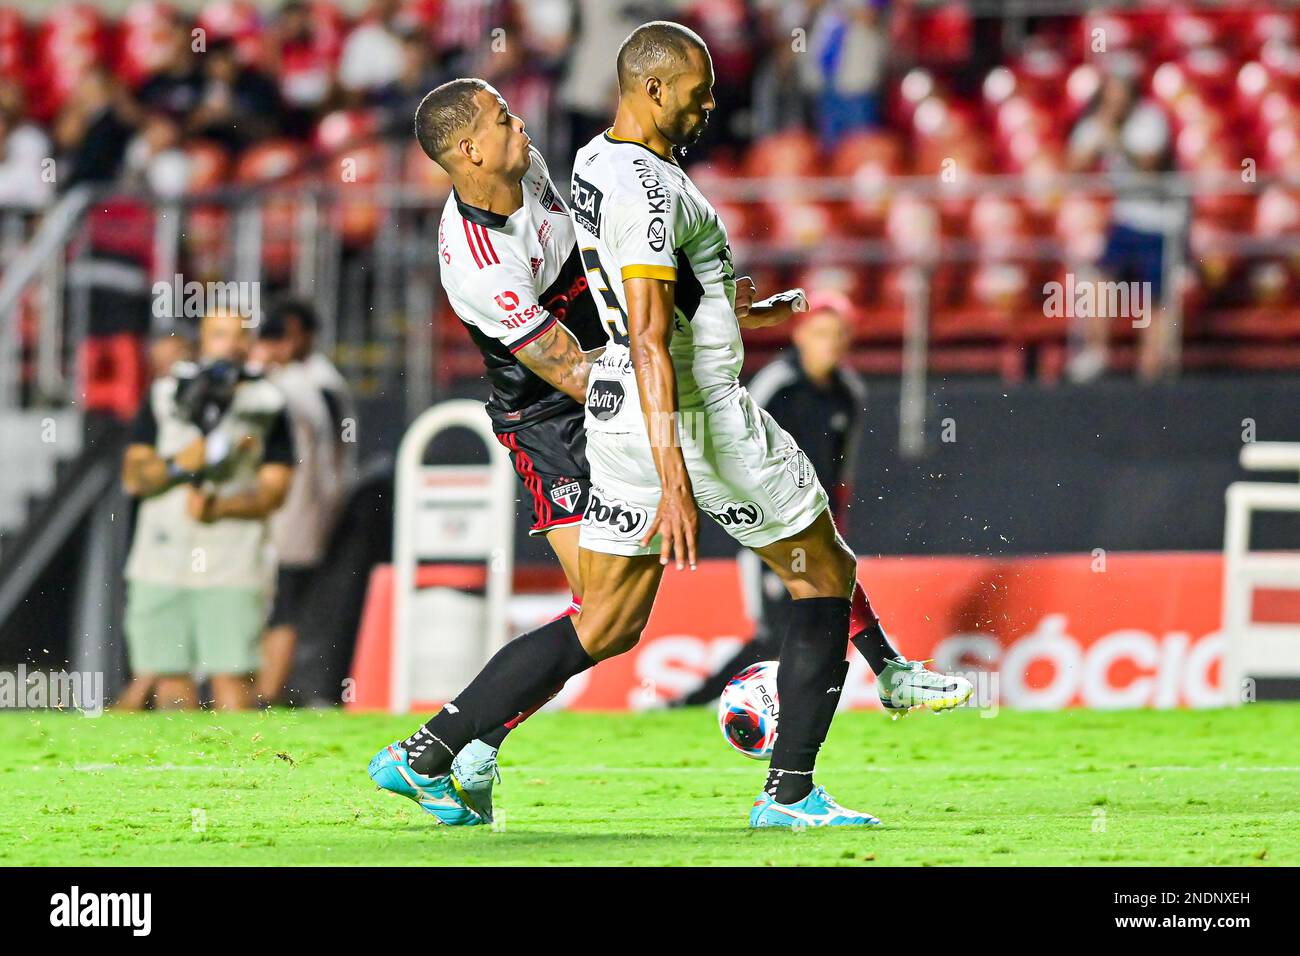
212 457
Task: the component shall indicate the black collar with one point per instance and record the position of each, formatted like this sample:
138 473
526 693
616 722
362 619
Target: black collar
480 217
611 138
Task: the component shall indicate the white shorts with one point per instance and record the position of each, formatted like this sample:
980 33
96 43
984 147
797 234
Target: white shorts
748 475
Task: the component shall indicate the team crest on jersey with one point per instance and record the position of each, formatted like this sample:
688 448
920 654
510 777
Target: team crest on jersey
567 495
550 200
800 470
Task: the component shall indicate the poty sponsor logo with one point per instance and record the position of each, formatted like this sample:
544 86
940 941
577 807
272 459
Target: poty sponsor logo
623 519
507 300
60 690
737 514
74 909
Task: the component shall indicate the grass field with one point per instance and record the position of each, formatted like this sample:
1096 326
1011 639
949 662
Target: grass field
1085 788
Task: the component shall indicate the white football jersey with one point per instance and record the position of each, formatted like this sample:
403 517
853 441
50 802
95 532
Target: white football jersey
509 279
638 215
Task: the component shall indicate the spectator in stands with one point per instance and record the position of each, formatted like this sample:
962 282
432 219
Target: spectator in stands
25 180
176 86
779 98
155 162
239 106
93 130
212 457
1123 133
322 416
729 28
305 71
372 53
820 401
845 67
589 89
420 74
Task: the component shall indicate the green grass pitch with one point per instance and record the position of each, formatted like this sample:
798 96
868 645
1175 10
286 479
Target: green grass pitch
660 788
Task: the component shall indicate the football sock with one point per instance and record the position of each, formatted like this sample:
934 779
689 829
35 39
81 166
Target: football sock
808 683
513 681
866 633
495 737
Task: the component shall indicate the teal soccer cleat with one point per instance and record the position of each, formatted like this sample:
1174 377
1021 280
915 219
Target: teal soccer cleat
818 809
473 773
391 771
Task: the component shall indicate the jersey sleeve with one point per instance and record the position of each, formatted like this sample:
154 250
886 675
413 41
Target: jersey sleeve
501 303
641 233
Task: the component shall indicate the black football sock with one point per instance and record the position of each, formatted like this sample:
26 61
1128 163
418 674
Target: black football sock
866 633
808 685
513 681
495 737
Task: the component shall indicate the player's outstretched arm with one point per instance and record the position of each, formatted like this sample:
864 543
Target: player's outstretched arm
770 311
556 357
649 327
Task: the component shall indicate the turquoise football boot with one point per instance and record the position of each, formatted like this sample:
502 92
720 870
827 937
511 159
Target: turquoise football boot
473 772
817 809
391 771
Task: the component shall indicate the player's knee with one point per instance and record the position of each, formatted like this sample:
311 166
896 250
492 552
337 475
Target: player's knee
834 576
603 638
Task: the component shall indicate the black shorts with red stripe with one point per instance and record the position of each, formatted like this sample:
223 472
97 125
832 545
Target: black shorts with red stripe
550 458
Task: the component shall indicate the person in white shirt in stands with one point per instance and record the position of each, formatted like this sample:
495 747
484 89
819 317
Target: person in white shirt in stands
372 53
323 419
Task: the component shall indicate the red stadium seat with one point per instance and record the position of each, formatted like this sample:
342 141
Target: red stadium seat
344 128
868 160
276 160
788 153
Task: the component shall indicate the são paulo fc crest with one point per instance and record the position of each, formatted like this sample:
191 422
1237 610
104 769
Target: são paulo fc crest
567 495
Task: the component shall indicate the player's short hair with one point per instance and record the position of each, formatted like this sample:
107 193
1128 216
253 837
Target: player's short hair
443 113
659 48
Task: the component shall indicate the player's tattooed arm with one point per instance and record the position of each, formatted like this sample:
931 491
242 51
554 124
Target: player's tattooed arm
649 328
556 357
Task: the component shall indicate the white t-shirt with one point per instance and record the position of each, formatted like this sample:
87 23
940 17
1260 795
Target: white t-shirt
638 215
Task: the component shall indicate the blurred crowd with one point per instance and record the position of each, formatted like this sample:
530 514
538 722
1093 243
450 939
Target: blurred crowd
120 100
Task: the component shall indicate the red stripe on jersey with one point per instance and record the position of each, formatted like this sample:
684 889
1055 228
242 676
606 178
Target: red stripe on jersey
524 466
488 252
469 240
537 333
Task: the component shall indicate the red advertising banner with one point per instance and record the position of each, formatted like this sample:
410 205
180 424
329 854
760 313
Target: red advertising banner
1103 631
